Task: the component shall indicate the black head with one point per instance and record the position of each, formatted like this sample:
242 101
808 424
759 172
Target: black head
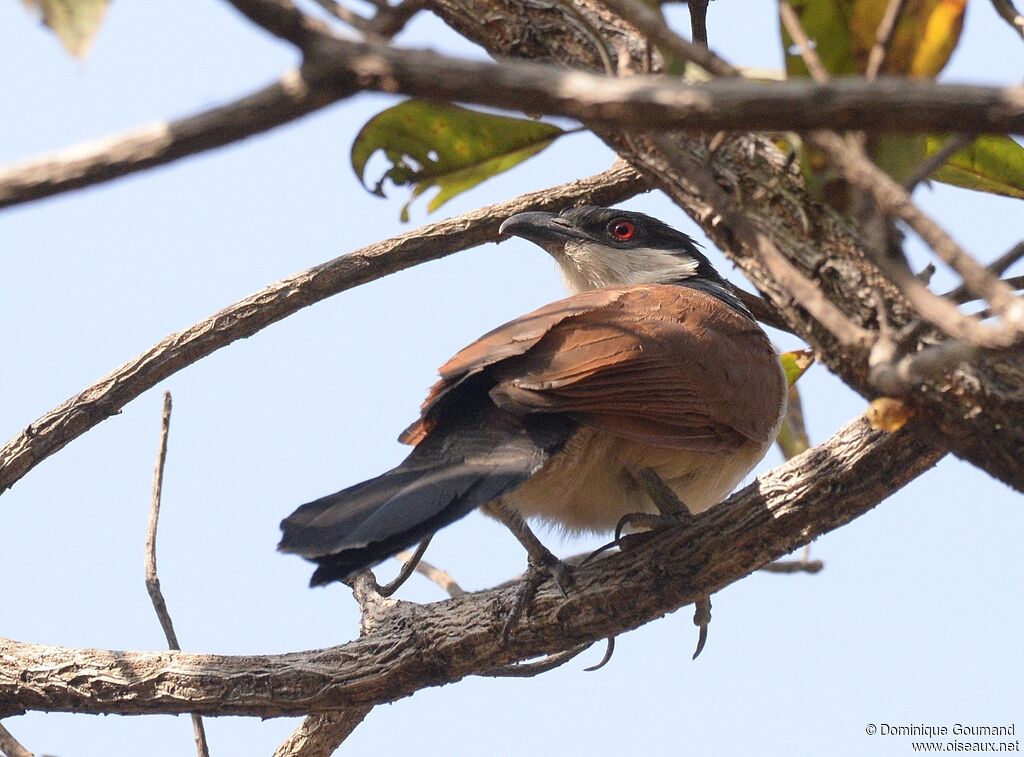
599 247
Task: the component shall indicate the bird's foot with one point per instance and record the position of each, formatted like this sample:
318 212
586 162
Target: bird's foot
537 572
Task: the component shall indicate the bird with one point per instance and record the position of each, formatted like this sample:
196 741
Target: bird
651 376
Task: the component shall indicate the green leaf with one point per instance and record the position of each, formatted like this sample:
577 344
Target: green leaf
991 164
75 22
434 144
792 438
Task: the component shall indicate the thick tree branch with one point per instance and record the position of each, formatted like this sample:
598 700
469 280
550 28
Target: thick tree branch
340 68
657 102
80 413
415 646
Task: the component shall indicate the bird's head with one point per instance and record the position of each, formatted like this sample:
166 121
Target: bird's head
602 247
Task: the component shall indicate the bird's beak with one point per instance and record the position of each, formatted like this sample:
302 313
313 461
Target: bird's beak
545 229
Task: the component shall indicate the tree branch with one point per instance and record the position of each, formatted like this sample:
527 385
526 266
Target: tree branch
339 68
10 746
105 398
156 596
119 155
414 646
321 735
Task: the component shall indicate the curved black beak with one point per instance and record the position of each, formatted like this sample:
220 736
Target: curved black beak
544 229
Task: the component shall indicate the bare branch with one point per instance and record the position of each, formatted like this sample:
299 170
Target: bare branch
781 511
282 19
152 581
893 200
794 566
119 155
898 376
321 735
80 413
938 159
651 25
440 577
1010 15
883 39
156 596
699 21
795 29
10 746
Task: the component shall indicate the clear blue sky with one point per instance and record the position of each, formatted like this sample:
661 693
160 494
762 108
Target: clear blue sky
917 617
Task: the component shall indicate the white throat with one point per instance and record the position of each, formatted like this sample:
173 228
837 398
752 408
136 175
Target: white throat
586 266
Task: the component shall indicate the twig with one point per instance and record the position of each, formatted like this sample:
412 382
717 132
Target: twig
1010 15
651 25
283 19
10 746
935 161
998 266
438 576
795 29
698 22
340 12
794 566
532 669
898 376
152 580
883 39
80 413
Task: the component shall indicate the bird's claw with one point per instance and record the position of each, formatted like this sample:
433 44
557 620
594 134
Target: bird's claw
701 619
537 572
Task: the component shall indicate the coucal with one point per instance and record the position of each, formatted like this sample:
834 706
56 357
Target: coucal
653 364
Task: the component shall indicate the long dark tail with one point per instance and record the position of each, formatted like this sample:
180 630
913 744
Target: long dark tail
480 456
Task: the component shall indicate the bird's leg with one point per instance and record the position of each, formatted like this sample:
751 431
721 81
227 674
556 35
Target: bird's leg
671 510
541 563
407 569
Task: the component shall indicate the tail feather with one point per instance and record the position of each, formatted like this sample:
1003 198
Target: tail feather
452 472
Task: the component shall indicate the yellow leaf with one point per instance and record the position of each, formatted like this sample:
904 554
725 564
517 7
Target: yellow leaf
926 34
889 414
795 364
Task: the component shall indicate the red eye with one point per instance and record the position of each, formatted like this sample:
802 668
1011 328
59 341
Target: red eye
622 229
